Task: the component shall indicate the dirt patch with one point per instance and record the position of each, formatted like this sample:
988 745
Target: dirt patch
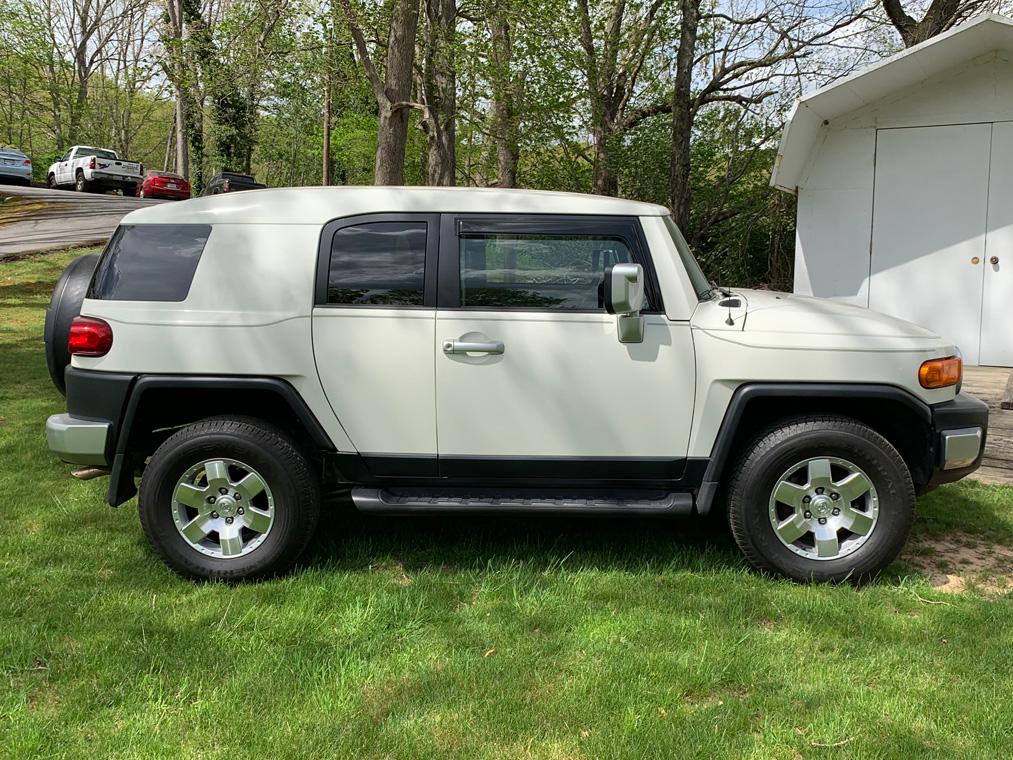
961 562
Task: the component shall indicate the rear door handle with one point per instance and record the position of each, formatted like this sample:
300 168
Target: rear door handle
473 347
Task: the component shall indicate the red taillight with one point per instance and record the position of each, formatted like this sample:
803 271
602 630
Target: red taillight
28 162
89 337
91 164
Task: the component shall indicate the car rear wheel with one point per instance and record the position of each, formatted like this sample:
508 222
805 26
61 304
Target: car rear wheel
228 499
821 498
68 295
81 184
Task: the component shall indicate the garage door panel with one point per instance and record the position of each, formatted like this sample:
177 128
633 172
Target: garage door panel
997 293
929 211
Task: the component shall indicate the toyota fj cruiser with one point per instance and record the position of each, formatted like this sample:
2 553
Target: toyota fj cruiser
462 350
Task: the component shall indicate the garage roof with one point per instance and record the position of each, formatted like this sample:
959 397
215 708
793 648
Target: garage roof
909 67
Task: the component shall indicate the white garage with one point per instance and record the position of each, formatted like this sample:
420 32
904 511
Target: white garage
904 176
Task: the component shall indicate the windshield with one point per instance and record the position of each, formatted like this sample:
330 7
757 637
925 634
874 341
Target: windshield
696 275
97 152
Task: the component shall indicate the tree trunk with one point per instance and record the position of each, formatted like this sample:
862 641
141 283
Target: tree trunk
392 135
604 181
940 16
441 93
682 113
182 142
504 105
325 169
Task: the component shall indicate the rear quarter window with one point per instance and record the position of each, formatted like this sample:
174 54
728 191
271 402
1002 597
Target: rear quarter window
149 262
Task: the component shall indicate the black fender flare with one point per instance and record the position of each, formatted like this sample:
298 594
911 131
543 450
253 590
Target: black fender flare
721 451
121 480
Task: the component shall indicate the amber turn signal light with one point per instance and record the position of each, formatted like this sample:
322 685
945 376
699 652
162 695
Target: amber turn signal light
940 373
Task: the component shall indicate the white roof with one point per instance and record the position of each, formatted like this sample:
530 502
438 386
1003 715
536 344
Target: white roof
318 205
909 67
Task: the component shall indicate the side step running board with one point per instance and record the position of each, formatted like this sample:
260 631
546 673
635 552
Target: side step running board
408 501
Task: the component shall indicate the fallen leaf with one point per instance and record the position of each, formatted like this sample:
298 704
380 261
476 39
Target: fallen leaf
489 652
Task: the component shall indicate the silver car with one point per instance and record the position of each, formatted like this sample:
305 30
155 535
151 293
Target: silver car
15 165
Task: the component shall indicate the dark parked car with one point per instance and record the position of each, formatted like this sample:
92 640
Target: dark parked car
158 184
231 182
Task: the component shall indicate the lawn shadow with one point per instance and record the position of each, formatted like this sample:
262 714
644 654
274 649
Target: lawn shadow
350 540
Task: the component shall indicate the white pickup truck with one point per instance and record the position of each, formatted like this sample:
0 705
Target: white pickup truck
91 169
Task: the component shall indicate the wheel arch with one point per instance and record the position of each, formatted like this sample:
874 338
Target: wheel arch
157 405
893 412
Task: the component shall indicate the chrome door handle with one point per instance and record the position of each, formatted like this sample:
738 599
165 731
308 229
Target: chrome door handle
473 347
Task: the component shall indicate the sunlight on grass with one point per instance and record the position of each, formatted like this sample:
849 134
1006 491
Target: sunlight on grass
496 638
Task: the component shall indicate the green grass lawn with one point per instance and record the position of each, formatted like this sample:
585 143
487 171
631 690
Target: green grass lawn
469 638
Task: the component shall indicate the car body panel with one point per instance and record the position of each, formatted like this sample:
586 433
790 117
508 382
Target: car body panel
15 165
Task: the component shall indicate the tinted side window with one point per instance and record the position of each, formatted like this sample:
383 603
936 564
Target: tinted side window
149 262
379 263
512 270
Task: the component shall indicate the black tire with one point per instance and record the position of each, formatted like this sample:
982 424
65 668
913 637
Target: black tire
68 295
51 182
81 184
777 450
267 450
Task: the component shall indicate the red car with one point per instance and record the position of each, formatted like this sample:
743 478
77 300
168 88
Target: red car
158 184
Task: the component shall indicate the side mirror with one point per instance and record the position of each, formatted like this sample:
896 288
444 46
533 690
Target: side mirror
624 297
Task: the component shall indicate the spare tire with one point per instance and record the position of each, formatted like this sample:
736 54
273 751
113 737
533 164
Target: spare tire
63 307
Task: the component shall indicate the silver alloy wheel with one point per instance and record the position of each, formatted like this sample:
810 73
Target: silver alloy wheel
824 508
223 508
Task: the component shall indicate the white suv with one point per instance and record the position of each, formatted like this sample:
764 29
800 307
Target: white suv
463 350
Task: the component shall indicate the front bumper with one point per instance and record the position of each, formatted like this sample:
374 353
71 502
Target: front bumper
960 428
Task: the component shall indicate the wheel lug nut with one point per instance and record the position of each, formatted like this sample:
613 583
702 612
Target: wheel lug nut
238 496
214 515
211 499
823 521
836 511
806 499
808 515
241 510
228 520
819 491
835 496
223 491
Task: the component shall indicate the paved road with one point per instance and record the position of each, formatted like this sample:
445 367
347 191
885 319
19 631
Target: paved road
34 219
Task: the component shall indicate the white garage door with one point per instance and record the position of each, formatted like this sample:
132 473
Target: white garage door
942 225
928 229
997 296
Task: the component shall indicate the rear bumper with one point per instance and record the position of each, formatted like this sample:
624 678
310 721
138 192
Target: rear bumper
960 428
78 441
16 172
115 180
86 433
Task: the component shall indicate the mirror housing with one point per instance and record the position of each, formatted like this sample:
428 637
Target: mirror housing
624 297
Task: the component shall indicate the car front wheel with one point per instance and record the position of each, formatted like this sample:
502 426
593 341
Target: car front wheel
823 499
228 499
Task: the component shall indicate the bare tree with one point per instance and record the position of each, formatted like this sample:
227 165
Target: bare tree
940 16
393 92
747 58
